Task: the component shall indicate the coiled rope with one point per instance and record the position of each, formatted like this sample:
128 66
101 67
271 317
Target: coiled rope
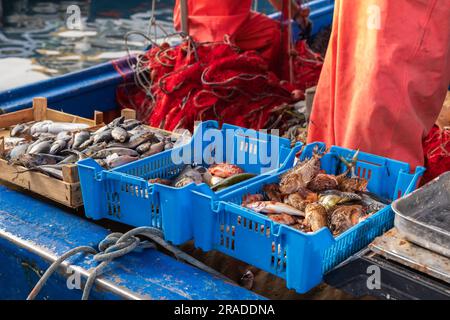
116 245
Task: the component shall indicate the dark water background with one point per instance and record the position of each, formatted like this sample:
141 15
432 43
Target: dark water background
36 30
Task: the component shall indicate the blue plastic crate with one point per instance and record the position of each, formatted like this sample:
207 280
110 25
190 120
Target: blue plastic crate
124 194
300 258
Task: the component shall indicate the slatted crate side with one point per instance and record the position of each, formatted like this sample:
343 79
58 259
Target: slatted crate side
303 258
10 119
59 191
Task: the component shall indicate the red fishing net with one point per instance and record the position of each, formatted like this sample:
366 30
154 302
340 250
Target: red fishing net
437 153
175 86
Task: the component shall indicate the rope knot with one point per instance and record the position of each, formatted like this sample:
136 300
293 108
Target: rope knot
117 244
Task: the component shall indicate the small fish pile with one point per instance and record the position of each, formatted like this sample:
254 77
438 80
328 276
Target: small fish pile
217 176
47 146
308 199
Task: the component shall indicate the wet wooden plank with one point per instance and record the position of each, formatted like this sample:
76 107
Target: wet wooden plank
68 194
10 119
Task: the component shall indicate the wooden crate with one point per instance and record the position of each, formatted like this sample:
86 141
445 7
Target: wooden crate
66 192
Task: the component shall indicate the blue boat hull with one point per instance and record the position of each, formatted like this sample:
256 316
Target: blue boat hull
33 234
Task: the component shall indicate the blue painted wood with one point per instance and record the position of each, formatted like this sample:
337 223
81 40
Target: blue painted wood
31 231
79 93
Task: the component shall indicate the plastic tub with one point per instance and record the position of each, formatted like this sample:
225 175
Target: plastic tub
124 194
302 259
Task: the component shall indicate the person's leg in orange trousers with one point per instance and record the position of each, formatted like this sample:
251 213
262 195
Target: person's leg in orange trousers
385 76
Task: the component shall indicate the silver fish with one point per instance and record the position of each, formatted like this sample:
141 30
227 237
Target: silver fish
372 204
11 142
154 149
135 140
160 136
63 135
101 154
57 127
31 145
18 151
168 145
115 160
41 147
104 136
273 207
58 146
119 134
18 130
93 149
330 198
144 147
35 160
39 127
102 129
130 124
72 158
143 128
51 170
80 138
72 152
116 122
87 143
43 135
138 130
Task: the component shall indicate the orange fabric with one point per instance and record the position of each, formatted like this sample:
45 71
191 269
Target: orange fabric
385 76
263 34
212 20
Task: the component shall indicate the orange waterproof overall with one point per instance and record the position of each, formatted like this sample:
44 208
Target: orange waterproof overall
211 20
385 76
